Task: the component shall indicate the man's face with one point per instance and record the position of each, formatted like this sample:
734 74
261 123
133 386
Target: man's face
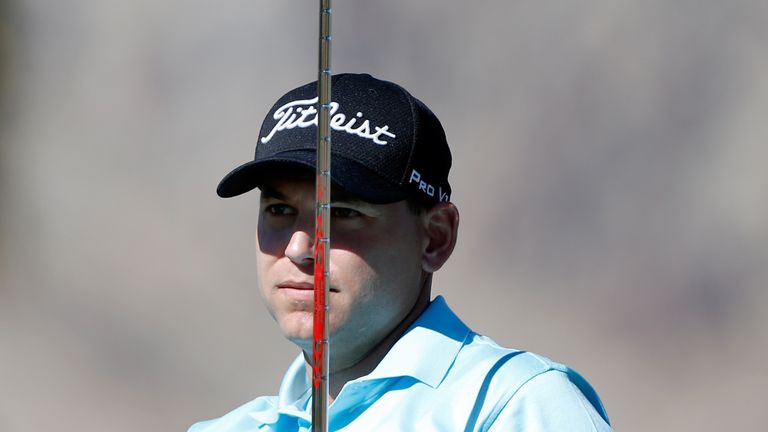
375 264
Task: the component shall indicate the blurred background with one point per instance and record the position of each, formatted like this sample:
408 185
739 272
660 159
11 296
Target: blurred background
609 165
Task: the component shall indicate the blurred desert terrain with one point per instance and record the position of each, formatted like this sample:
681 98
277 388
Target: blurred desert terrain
609 165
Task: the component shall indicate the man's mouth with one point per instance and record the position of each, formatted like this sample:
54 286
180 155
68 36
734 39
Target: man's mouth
299 286
296 285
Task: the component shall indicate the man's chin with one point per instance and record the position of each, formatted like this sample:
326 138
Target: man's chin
297 328
303 342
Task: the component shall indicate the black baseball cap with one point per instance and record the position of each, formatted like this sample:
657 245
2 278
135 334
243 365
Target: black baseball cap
386 145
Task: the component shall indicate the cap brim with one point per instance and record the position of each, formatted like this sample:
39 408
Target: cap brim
346 174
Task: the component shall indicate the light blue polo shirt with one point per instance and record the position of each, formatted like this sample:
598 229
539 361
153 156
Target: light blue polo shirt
440 376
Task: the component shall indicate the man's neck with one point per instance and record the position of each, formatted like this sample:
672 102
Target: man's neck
370 360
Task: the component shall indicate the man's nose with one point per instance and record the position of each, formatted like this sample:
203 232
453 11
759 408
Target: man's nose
300 247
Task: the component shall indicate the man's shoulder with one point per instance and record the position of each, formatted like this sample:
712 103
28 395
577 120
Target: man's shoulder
481 364
502 376
241 418
482 353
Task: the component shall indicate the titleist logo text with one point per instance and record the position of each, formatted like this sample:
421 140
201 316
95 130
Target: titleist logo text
302 114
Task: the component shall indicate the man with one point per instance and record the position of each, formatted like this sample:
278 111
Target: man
400 361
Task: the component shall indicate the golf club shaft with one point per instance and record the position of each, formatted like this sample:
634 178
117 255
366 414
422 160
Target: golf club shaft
320 346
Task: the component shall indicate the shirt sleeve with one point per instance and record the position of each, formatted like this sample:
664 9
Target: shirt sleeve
549 402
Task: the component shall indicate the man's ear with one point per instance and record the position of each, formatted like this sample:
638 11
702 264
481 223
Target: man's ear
441 224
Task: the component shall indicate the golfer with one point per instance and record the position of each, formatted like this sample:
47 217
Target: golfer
400 359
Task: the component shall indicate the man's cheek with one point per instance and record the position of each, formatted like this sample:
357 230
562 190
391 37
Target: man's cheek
271 240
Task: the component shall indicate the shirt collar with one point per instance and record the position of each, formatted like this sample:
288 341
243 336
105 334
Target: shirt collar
292 397
437 330
295 386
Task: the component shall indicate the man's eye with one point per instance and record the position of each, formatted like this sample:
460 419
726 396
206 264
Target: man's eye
343 212
280 210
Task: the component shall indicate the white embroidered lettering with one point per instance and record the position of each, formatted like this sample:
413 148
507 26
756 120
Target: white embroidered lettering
430 190
337 120
307 112
443 196
363 130
348 126
415 177
303 114
381 131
